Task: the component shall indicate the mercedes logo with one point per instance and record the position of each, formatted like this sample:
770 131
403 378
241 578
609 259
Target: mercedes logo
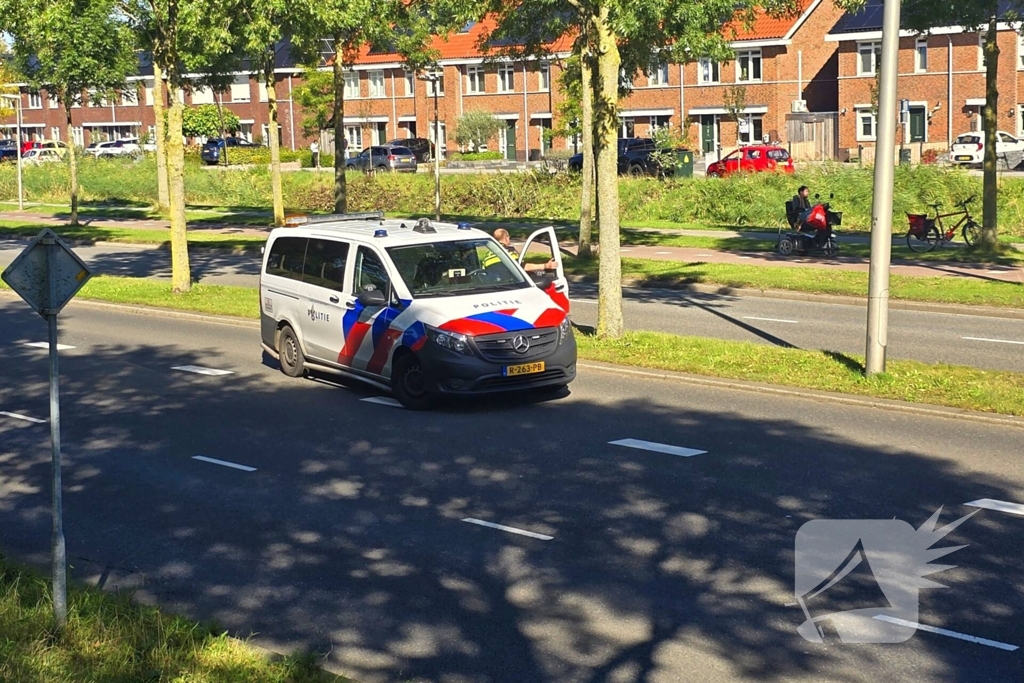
520 344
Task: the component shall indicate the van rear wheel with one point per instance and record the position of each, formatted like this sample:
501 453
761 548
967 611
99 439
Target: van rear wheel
409 384
289 352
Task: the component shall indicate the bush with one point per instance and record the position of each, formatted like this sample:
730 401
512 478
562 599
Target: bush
477 156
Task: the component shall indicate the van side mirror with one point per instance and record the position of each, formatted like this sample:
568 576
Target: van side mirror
373 298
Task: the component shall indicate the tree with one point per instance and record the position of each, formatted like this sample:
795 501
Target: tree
316 97
983 16
476 128
207 121
6 78
76 49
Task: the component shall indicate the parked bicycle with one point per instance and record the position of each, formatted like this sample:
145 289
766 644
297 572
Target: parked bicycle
925 233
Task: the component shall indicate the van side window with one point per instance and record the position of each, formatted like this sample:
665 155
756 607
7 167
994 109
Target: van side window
325 264
370 273
286 257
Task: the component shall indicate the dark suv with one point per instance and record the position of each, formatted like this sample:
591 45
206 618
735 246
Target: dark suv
625 145
211 150
421 148
647 161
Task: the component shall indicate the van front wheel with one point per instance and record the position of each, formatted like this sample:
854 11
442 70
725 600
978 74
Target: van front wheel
409 384
289 353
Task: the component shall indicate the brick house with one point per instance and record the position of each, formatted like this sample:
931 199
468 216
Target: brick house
941 76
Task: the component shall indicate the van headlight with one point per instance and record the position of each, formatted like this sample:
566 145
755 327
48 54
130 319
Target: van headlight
453 341
564 330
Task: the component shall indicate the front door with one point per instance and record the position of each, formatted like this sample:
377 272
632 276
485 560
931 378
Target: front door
708 133
510 140
544 244
323 297
917 124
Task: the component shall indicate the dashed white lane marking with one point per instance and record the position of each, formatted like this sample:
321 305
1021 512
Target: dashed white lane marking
746 257
662 253
583 301
46 345
771 320
948 633
224 463
998 506
657 447
26 418
995 341
202 371
510 529
702 254
382 400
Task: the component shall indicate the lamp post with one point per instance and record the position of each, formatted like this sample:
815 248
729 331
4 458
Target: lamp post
435 78
17 108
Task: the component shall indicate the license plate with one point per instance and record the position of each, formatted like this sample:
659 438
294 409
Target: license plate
524 369
963 157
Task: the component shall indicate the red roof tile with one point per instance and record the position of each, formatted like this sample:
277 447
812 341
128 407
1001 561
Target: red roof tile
764 27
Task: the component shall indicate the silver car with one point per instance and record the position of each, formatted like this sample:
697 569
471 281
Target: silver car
383 158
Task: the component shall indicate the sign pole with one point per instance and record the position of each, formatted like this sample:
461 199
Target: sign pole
60 598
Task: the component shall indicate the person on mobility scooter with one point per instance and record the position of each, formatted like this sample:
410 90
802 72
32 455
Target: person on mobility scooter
811 226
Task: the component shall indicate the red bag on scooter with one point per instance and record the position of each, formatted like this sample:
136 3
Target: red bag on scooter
816 219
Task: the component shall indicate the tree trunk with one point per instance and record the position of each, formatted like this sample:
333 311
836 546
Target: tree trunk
181 274
609 305
163 199
275 144
587 198
340 184
72 162
990 192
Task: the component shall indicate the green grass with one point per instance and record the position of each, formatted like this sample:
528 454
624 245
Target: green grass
951 290
946 385
91 233
109 638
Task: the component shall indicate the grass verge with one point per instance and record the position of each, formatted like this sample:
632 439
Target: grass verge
947 385
110 638
955 386
148 236
949 290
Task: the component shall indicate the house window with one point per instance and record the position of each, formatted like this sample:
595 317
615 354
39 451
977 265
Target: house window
627 127
1020 121
202 96
866 127
748 66
1020 52
129 97
750 129
439 81
35 100
55 133
544 77
475 79
442 131
54 101
659 122
708 71
376 84
506 78
921 56
354 136
981 52
658 77
410 83
240 90
351 85
867 58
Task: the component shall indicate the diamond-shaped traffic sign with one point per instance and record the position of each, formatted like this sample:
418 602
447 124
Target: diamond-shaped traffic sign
47 274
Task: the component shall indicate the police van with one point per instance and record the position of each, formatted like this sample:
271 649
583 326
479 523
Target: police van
417 307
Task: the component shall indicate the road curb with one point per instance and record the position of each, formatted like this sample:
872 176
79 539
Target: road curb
786 295
926 409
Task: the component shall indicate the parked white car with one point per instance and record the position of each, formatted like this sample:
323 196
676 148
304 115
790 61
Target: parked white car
41 156
969 148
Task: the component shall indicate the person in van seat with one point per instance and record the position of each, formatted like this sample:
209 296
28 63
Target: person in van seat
505 240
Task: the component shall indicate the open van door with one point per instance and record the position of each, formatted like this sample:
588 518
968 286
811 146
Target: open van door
544 242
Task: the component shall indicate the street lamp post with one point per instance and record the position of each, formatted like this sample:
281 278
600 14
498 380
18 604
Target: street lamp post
17 108
435 78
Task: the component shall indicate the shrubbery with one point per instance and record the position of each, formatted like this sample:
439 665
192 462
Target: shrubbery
477 156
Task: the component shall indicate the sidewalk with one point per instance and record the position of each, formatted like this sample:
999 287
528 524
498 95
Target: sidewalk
680 254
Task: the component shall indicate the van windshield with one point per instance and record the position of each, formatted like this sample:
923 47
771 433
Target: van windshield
456 268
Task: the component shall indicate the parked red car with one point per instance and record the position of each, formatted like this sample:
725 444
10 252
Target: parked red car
751 160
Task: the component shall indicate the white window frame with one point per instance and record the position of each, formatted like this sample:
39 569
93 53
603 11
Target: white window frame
981 52
202 96
54 102
475 83
351 85
749 138
410 83
875 48
129 97
35 100
709 72
658 78
377 83
442 131
439 82
751 57
921 56
354 135
506 78
55 133
861 114
544 76
240 90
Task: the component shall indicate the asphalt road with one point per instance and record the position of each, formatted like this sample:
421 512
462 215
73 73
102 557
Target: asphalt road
990 343
348 535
